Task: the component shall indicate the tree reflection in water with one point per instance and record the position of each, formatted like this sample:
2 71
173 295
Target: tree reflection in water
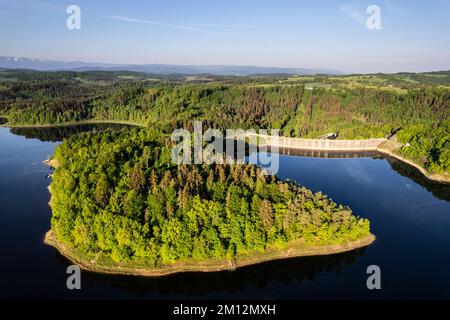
59 133
287 271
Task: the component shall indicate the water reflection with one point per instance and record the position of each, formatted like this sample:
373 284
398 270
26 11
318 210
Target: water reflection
410 222
59 133
328 154
439 190
288 271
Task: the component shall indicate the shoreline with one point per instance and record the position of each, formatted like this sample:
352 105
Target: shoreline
77 123
439 178
380 149
436 178
294 250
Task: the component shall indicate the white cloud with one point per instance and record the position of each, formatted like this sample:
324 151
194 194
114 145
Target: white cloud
356 171
355 11
230 26
167 25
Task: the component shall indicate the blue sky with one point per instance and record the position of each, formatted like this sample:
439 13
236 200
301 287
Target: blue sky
414 35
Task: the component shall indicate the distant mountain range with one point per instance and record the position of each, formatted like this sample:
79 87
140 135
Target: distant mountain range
226 70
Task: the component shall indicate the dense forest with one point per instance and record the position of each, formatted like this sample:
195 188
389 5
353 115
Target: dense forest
415 106
427 144
305 106
119 195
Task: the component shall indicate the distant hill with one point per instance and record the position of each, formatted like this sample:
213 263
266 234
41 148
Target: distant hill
228 70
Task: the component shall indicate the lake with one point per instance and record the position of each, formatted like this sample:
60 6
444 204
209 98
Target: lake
410 217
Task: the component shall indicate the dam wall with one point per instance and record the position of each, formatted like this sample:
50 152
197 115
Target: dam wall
316 144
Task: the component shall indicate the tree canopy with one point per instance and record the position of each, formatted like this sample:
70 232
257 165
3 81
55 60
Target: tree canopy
119 194
357 107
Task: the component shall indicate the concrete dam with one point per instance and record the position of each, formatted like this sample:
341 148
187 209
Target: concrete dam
315 144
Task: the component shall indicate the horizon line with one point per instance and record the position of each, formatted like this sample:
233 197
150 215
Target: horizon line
112 64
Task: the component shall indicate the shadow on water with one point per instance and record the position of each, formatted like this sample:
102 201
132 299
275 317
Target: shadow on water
288 271
439 190
59 133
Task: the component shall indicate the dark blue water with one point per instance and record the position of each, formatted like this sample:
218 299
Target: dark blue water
410 217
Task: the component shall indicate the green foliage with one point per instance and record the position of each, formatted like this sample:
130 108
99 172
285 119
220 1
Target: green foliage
428 145
358 106
360 111
117 193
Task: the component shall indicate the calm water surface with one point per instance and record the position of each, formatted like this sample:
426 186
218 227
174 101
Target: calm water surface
409 216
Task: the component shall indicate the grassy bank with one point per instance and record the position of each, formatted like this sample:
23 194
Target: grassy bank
102 264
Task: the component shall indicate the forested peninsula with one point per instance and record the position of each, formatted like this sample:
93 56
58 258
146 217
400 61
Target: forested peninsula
120 205
411 109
